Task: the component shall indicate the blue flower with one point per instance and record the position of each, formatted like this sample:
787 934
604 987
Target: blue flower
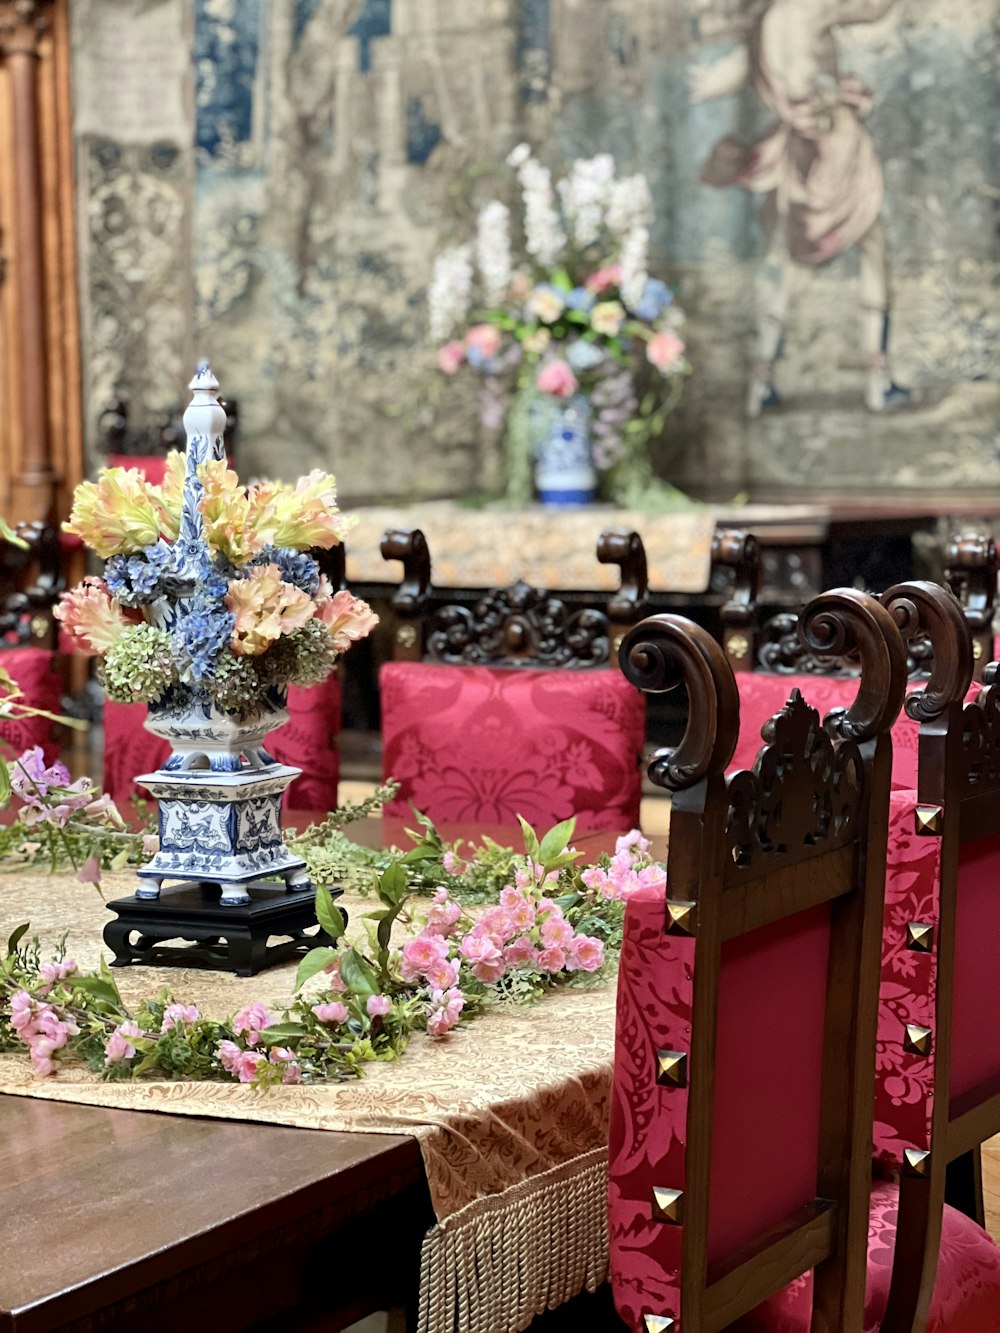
202 632
656 296
135 580
296 567
583 355
580 299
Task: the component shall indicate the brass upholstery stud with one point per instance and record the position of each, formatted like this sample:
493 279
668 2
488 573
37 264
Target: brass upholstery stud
738 646
667 1205
681 917
917 1039
977 649
918 1161
406 636
929 819
919 936
671 1069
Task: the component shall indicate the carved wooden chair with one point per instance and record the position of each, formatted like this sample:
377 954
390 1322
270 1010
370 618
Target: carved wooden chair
498 711
30 583
937 1091
740 1149
308 740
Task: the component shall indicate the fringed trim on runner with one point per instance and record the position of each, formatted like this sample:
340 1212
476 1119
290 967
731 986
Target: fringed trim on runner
503 1259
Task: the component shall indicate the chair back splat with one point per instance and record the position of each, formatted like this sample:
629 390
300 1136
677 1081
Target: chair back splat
496 710
740 1154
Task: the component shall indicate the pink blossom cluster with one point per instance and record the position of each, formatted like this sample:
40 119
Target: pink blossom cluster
445 1009
53 973
175 1014
118 1047
250 1022
42 1029
246 1066
631 868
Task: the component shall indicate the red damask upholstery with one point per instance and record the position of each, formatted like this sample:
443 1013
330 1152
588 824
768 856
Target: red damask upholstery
308 740
488 744
966 1293
34 671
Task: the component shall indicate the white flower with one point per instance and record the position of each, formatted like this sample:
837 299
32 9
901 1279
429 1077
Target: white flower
630 205
635 250
493 250
518 156
584 194
450 290
543 234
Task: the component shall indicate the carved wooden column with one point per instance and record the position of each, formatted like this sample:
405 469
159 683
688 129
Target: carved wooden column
39 394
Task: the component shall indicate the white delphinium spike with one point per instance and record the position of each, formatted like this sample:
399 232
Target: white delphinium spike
634 257
544 237
493 250
584 195
630 205
449 294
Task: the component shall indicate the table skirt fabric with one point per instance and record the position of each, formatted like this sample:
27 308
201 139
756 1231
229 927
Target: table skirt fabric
511 1115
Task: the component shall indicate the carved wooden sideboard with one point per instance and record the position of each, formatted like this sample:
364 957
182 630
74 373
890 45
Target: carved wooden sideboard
41 450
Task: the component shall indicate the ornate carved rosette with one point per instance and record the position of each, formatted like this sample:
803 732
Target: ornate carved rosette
518 626
803 796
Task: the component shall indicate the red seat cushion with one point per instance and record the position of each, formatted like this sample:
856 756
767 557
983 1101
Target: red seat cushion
308 740
488 744
966 1295
33 670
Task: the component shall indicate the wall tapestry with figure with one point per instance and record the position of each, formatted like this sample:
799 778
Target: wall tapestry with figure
826 181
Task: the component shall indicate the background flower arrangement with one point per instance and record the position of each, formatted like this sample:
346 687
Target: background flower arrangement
230 619
579 318
425 965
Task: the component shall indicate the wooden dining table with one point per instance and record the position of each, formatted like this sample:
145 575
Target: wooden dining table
120 1219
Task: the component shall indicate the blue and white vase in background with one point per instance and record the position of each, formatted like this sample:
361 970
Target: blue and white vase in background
564 466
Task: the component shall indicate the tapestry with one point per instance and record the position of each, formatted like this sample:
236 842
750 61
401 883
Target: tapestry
826 187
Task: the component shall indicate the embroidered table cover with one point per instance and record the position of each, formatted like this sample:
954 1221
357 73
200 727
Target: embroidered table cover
549 548
511 1114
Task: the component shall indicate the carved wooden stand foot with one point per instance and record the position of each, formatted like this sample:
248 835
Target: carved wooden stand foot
223 937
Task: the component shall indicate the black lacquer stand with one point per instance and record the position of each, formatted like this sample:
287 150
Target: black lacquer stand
231 938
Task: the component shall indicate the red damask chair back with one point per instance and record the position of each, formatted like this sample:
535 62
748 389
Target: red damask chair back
513 707
30 583
740 1143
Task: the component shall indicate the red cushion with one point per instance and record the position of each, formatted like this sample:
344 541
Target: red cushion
966 1295
308 740
975 1052
33 670
773 1104
488 744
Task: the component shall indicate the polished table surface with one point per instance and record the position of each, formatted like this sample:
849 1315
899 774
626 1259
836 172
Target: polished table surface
126 1219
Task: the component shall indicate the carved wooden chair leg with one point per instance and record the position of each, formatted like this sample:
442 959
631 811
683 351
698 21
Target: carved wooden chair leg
963 1187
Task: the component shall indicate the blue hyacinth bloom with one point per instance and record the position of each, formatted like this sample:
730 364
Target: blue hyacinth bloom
296 568
580 299
135 580
656 296
202 632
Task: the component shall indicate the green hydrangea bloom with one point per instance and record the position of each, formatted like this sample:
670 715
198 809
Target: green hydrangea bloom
235 684
139 667
304 657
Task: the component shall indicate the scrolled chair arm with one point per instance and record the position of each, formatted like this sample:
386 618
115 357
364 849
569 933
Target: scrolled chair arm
625 549
409 545
663 652
843 621
734 549
919 607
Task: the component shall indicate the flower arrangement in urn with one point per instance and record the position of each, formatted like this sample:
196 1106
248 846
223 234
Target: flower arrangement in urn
210 606
588 337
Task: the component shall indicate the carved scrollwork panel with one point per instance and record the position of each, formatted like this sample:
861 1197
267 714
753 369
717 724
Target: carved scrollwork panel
803 795
518 626
981 739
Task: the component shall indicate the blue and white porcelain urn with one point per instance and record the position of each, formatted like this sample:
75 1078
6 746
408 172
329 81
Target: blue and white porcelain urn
564 468
219 793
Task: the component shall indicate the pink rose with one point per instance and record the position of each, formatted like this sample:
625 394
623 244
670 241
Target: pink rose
335 981
251 1021
334 1012
178 1013
664 350
378 1006
478 949
446 1007
632 839
450 357
556 931
443 975
522 953
490 970
451 863
118 1047
444 913
552 959
604 278
586 953
556 378
485 339
421 953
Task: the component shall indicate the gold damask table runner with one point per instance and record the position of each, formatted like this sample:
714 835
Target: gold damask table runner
511 1114
550 548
